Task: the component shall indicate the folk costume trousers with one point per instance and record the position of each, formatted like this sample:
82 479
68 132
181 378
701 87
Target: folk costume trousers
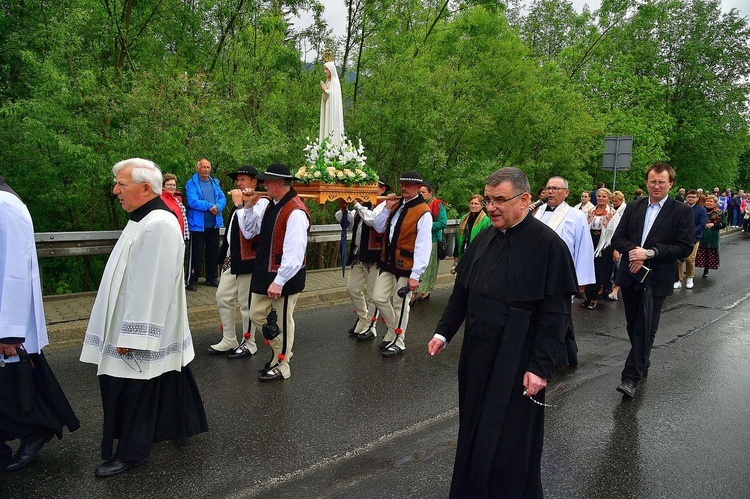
361 287
391 306
234 289
260 307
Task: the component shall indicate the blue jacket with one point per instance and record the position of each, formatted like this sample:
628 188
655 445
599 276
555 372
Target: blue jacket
701 219
197 204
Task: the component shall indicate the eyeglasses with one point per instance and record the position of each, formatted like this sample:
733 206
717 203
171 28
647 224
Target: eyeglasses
554 188
490 201
129 357
660 183
170 185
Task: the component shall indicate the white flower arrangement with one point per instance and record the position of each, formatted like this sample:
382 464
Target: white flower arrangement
335 164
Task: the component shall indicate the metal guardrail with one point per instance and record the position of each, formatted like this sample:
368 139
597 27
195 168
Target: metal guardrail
84 243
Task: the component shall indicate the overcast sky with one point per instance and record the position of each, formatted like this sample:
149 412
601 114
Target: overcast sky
335 13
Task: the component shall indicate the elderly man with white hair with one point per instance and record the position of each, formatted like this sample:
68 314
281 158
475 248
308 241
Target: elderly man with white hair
138 333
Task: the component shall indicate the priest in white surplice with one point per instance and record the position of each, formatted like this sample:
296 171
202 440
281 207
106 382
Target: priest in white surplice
138 333
572 226
33 407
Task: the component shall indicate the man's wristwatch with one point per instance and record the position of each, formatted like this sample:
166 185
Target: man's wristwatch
650 253
238 206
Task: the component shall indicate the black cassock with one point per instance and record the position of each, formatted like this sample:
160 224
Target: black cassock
514 292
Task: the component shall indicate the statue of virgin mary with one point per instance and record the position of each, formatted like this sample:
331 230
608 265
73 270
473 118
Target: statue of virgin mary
331 108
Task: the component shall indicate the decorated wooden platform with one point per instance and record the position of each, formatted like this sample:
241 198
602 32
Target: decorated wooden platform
325 193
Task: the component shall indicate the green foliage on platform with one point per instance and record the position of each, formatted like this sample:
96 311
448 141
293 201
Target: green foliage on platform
453 89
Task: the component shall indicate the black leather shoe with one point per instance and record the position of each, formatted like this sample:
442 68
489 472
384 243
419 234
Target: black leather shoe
212 351
392 351
115 466
365 336
214 283
27 452
271 375
239 353
191 287
383 344
627 388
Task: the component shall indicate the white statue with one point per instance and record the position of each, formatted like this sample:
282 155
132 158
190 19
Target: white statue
331 108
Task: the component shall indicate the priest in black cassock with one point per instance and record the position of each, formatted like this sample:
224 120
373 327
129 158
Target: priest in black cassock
138 333
33 407
514 290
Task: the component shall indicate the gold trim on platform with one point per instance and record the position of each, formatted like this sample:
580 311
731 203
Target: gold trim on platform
333 192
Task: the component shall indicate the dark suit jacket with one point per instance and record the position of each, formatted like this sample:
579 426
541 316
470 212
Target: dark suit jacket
672 235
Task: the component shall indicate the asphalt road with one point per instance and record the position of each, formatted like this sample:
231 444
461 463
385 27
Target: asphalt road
349 423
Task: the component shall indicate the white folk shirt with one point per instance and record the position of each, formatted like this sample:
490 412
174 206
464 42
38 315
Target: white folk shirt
368 217
295 239
423 244
141 303
240 214
21 308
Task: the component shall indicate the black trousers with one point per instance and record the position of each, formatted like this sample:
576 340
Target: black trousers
209 240
639 358
50 413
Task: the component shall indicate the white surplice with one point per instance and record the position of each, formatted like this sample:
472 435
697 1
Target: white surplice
21 308
572 226
141 303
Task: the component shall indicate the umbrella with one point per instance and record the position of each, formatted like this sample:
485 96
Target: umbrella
643 321
343 245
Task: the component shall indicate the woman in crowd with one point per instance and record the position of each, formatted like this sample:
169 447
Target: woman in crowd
708 250
173 200
746 223
599 219
585 205
471 224
619 204
439 222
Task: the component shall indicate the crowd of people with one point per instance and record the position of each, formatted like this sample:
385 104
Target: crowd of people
139 337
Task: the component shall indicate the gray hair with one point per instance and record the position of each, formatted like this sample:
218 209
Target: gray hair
516 177
565 182
144 172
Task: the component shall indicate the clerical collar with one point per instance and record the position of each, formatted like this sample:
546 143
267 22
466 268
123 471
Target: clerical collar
155 204
550 208
517 225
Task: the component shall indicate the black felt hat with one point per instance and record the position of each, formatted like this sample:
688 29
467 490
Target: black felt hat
243 170
411 176
276 172
382 182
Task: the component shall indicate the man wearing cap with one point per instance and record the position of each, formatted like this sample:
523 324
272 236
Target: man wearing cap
206 202
364 254
406 223
238 256
279 274
572 226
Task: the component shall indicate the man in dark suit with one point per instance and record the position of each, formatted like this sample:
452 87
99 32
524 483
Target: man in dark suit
654 233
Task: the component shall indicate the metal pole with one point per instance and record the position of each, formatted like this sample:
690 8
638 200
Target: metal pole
617 154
